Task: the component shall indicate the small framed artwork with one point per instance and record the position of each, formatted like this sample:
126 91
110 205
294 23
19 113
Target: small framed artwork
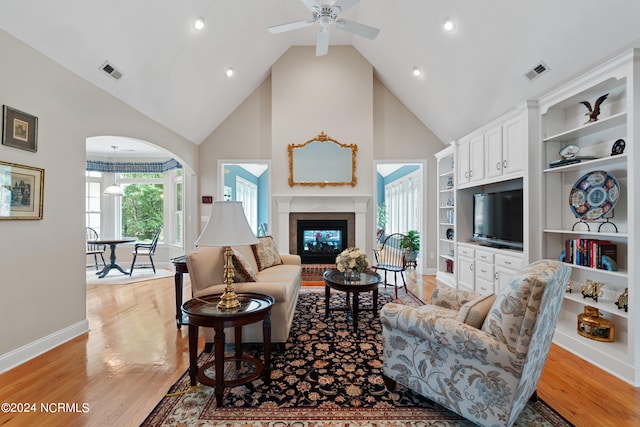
19 130
21 191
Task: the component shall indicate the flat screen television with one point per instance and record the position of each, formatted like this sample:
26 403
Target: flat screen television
497 219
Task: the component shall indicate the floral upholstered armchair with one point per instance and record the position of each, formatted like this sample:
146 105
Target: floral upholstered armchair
483 368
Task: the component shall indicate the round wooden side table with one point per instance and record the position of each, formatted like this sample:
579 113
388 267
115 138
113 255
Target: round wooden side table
334 279
204 312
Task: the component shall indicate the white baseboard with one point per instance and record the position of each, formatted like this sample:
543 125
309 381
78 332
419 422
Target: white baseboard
27 352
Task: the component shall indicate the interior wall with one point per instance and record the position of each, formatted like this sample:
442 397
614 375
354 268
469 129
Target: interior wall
244 135
400 135
331 94
42 287
307 95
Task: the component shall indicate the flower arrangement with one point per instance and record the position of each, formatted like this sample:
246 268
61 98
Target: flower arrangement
352 259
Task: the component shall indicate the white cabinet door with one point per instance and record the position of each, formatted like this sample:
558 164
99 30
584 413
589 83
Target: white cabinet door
513 147
466 275
462 162
502 277
476 158
493 152
505 268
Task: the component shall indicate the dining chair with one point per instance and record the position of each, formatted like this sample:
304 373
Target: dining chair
391 257
146 249
93 248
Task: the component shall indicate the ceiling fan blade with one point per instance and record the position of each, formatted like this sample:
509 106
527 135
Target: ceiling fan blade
312 5
345 5
290 26
322 42
357 28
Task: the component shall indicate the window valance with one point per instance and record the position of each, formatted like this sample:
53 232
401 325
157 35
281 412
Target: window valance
132 167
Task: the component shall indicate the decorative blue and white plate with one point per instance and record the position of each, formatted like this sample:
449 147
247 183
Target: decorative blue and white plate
569 151
594 195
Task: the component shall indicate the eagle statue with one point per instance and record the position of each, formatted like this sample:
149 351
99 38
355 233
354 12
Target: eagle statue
595 111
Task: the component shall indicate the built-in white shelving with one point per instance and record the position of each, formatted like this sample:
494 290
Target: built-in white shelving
446 216
562 123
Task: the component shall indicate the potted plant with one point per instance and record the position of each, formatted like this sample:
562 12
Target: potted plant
382 216
411 245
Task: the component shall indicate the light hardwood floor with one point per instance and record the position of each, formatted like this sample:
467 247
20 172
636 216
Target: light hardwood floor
134 353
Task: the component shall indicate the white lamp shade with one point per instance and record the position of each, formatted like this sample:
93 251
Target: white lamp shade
227 226
114 190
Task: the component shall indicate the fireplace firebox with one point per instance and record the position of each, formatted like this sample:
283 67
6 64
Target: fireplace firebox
320 241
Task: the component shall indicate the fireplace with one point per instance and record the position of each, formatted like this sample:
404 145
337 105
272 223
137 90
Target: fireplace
318 237
320 241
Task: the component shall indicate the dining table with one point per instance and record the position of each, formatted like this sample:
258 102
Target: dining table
112 257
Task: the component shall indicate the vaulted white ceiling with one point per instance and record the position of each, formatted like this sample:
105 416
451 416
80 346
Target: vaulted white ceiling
176 75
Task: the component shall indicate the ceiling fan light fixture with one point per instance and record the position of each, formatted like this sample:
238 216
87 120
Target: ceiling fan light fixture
229 72
448 25
325 16
198 24
417 72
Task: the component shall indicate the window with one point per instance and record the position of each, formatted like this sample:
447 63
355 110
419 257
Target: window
142 209
247 193
402 198
151 200
177 207
93 197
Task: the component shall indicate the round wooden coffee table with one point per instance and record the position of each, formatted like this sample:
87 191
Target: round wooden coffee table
334 279
204 312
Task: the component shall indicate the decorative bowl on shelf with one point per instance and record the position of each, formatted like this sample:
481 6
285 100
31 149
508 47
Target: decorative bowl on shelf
449 233
594 195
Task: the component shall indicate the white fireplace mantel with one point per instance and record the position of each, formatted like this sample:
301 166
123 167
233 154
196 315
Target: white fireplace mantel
301 203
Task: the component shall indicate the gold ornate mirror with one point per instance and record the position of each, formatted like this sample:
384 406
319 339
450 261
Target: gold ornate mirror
322 161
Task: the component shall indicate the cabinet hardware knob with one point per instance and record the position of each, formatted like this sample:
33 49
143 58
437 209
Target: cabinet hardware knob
466 174
508 262
504 164
495 275
498 166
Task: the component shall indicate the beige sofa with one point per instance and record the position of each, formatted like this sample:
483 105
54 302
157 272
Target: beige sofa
282 282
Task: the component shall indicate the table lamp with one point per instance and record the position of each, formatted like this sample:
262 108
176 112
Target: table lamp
227 227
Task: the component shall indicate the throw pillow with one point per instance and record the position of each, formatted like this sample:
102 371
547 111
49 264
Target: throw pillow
266 253
474 312
242 269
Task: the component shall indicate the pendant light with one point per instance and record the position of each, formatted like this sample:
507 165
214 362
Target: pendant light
114 189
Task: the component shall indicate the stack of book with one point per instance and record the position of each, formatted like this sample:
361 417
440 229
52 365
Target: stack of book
589 252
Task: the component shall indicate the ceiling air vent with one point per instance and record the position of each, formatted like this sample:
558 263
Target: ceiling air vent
536 71
111 70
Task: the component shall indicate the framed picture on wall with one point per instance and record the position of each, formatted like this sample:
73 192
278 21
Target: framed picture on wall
19 129
21 191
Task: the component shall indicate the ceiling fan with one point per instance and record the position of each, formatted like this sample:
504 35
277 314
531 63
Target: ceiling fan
325 15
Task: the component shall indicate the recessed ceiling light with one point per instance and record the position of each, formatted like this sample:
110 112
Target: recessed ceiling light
417 72
229 72
448 25
198 24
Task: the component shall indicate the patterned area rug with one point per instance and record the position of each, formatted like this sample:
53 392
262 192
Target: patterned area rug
139 275
326 376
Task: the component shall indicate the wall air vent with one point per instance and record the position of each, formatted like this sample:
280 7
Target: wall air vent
536 71
111 70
